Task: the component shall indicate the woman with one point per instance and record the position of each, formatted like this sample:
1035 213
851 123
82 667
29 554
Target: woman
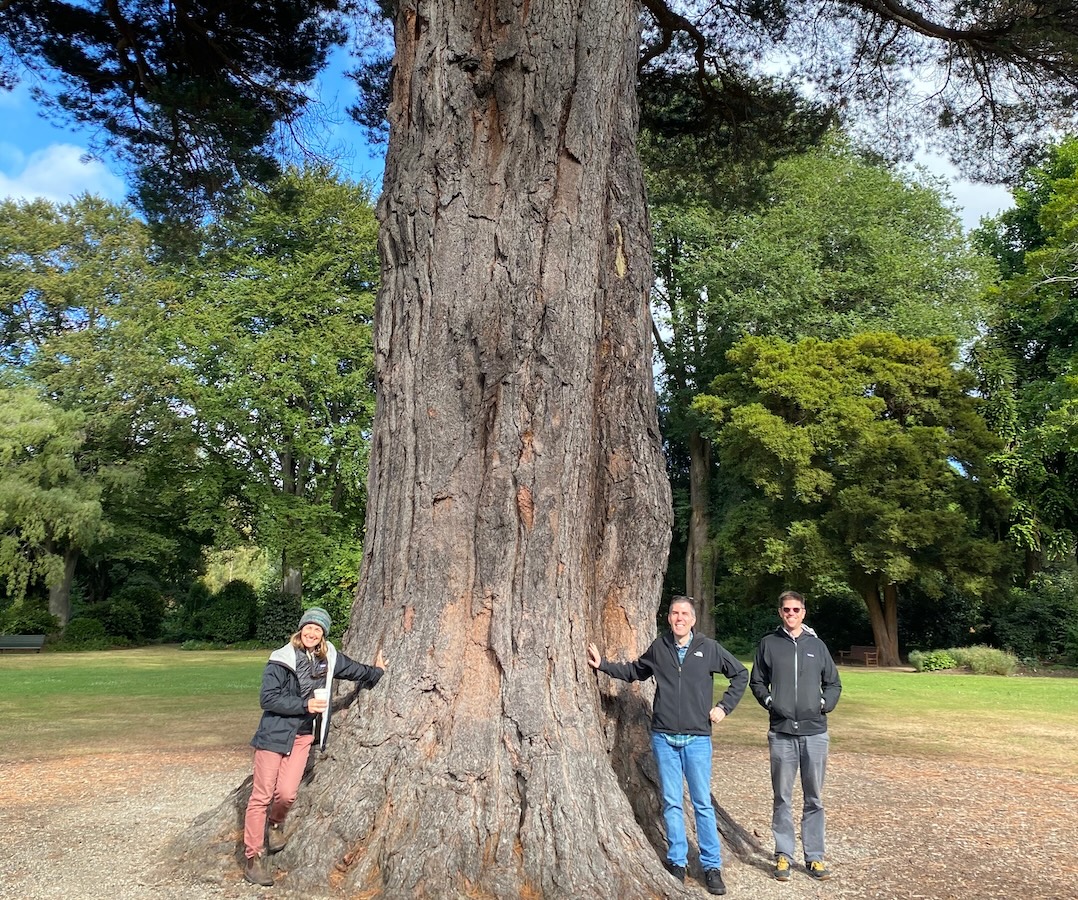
293 718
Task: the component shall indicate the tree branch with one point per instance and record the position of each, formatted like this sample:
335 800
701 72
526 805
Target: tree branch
998 39
670 23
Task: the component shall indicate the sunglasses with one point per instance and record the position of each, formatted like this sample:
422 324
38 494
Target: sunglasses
790 609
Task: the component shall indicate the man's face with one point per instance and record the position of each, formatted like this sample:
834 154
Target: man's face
792 613
681 618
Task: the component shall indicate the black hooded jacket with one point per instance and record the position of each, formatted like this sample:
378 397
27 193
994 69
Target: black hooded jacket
796 681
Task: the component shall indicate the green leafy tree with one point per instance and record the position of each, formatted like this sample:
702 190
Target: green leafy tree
703 160
274 338
834 244
1040 620
860 461
1028 360
81 302
231 615
49 509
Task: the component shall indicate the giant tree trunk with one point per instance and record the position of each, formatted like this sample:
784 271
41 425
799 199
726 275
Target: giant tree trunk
518 503
699 565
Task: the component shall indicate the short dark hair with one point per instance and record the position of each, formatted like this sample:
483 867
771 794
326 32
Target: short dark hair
792 595
681 598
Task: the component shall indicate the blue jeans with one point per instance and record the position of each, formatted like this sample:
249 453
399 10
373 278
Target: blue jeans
691 764
790 752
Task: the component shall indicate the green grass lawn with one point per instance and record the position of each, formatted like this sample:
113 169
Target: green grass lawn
1024 723
59 704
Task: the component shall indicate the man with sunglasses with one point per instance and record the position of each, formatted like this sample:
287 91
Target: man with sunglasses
795 679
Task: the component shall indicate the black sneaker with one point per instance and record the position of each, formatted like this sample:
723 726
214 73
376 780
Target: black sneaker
818 870
674 869
714 882
782 868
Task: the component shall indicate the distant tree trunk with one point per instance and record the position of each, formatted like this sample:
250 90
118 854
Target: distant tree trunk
60 593
883 615
518 502
292 485
699 565
291 577
1034 563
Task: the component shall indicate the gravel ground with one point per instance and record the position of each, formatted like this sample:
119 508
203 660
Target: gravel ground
92 828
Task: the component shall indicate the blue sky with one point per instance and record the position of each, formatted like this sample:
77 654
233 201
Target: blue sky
41 160
38 159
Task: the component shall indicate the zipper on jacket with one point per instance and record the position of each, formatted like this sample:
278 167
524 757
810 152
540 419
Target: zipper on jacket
677 659
797 667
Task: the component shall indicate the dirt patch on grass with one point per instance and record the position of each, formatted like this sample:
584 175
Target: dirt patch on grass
93 826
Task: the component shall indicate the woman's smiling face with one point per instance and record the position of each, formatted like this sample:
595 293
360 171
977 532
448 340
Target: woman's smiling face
311 635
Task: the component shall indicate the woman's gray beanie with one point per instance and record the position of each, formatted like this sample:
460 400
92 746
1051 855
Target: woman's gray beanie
316 616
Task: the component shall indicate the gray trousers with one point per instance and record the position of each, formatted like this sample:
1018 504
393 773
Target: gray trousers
788 754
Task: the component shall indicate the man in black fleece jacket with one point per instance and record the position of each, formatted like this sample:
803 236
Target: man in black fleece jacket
683 665
795 680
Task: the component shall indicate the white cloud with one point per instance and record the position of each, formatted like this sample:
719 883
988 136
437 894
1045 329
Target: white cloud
973 199
57 173
977 200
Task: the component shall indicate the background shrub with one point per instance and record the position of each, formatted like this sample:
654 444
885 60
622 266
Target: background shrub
834 612
1036 621
739 625
31 616
840 619
197 598
1070 646
980 660
85 633
182 613
196 644
278 616
952 619
150 603
121 617
984 660
231 615
932 660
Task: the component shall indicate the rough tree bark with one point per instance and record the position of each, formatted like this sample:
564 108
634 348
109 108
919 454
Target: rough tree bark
518 502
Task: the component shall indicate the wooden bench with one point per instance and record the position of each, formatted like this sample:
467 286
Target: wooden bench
867 656
22 642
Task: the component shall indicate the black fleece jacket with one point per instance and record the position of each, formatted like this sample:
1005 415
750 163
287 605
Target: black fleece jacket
684 691
796 681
